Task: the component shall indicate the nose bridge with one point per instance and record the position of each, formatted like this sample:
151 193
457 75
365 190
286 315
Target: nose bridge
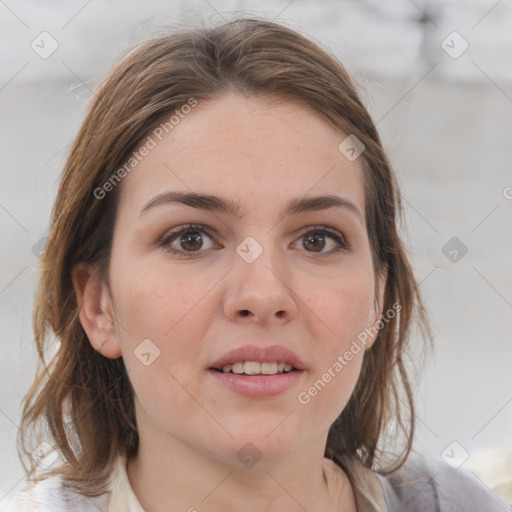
259 284
259 261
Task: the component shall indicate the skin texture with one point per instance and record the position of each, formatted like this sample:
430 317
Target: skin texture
262 152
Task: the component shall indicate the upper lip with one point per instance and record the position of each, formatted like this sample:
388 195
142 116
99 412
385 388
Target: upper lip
274 353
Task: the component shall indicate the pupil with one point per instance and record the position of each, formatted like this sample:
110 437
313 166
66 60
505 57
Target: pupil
195 240
315 239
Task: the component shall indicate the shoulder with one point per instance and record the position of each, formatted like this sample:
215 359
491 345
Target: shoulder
50 495
429 485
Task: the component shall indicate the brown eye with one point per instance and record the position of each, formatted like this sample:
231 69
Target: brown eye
191 241
185 240
316 240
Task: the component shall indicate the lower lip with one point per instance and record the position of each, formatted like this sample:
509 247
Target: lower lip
259 385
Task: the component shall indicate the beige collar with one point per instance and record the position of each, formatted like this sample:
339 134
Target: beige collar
122 498
368 491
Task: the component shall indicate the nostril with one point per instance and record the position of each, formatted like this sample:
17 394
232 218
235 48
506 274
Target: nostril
245 312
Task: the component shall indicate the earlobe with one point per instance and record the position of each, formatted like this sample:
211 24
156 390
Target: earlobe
96 313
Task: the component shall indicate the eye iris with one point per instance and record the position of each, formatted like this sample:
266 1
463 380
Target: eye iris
315 239
192 237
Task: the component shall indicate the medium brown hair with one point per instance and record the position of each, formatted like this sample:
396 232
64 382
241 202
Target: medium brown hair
83 401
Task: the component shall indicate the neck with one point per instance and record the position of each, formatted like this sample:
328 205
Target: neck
167 476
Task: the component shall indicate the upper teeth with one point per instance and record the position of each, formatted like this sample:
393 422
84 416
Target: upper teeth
255 368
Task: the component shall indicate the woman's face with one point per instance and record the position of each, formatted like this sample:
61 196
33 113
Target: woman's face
257 277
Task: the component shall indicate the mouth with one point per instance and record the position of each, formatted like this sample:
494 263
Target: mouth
258 360
256 379
255 368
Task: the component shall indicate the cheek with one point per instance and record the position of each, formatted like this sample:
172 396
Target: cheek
166 310
157 301
172 310
331 384
343 309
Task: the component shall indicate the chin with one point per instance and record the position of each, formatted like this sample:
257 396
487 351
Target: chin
254 446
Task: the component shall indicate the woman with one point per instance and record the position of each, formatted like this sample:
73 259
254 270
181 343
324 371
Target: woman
230 296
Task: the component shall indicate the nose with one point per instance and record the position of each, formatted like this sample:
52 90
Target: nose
260 291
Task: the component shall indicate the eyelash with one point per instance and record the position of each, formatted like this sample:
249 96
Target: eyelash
175 233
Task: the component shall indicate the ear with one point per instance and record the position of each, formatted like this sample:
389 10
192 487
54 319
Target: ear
377 309
96 312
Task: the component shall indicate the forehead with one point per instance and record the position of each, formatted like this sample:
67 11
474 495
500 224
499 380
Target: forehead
247 148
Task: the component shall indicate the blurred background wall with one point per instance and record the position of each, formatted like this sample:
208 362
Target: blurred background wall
437 78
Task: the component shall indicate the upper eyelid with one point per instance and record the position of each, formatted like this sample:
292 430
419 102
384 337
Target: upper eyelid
183 228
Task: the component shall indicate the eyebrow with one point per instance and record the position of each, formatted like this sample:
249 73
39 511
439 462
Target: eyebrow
218 204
